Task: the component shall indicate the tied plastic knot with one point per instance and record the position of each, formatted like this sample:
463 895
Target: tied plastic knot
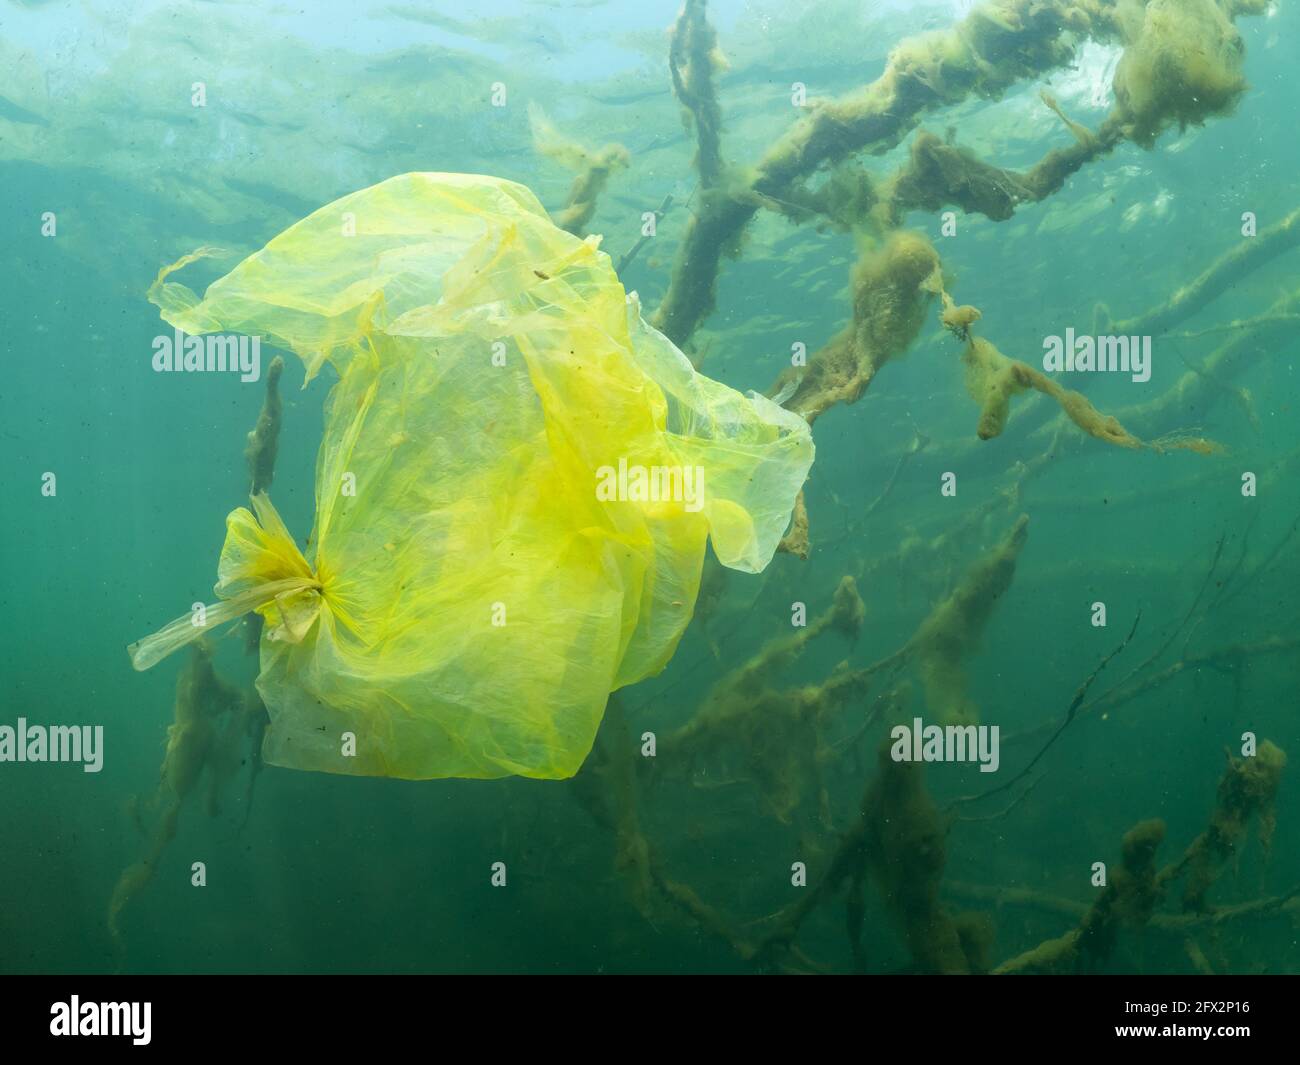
261 569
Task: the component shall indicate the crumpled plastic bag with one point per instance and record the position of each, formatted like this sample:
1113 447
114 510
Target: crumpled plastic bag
484 571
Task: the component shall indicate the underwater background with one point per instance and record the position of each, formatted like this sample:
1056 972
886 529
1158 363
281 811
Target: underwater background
640 864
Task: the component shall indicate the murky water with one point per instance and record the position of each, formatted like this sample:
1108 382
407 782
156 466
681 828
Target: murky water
1037 670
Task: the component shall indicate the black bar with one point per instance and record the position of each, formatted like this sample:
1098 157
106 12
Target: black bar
234 1014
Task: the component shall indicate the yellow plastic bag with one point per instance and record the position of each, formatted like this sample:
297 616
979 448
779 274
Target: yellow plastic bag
513 492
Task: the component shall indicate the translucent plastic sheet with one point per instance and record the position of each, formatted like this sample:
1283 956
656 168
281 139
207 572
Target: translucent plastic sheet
513 493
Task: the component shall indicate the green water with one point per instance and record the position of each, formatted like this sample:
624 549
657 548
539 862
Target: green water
110 171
